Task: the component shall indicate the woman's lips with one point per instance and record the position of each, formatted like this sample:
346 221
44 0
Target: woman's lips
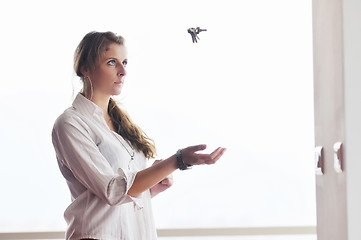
119 82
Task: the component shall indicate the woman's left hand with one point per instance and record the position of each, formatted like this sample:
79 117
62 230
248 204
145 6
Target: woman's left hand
162 185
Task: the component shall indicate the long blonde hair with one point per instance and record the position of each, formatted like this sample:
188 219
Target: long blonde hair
86 55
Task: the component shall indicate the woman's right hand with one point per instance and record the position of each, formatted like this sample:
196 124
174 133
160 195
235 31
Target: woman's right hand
190 156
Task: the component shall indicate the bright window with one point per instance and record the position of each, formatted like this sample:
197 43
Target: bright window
246 85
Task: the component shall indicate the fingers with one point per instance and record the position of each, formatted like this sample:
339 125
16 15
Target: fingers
211 158
191 157
214 153
196 148
156 162
167 181
220 153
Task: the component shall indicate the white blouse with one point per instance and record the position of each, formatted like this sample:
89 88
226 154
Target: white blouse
99 172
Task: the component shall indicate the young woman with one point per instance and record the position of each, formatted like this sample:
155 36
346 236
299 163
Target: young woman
103 155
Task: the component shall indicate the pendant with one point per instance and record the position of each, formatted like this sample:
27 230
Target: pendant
131 159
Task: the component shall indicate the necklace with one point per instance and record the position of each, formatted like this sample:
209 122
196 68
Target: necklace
131 155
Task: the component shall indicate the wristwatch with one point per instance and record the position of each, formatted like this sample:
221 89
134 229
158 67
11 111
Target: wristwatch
181 164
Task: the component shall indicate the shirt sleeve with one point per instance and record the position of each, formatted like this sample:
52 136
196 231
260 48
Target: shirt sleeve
80 154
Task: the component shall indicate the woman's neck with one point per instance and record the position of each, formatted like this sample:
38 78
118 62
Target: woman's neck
101 101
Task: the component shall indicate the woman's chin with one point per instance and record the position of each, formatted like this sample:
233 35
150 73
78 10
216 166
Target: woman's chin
116 93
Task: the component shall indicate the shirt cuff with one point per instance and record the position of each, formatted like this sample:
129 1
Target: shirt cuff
129 179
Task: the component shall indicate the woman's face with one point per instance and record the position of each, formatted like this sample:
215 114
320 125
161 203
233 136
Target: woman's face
108 75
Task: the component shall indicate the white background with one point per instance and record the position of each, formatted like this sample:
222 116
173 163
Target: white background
246 85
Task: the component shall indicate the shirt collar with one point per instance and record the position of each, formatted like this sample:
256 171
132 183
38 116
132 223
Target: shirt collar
85 106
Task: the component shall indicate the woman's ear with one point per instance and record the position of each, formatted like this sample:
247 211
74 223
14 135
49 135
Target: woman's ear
84 70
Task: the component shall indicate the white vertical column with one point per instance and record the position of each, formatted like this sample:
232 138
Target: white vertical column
329 117
352 83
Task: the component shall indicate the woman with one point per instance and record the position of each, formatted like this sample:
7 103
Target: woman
102 154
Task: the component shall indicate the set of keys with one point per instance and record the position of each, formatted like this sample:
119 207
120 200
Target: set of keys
194 33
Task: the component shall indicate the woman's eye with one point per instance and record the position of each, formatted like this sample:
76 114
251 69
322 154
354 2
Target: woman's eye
125 63
111 62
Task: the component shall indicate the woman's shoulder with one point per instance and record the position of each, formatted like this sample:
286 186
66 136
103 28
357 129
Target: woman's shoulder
68 118
71 123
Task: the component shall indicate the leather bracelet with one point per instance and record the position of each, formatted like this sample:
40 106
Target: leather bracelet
181 164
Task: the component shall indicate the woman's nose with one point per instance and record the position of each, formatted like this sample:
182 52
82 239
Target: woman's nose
121 70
